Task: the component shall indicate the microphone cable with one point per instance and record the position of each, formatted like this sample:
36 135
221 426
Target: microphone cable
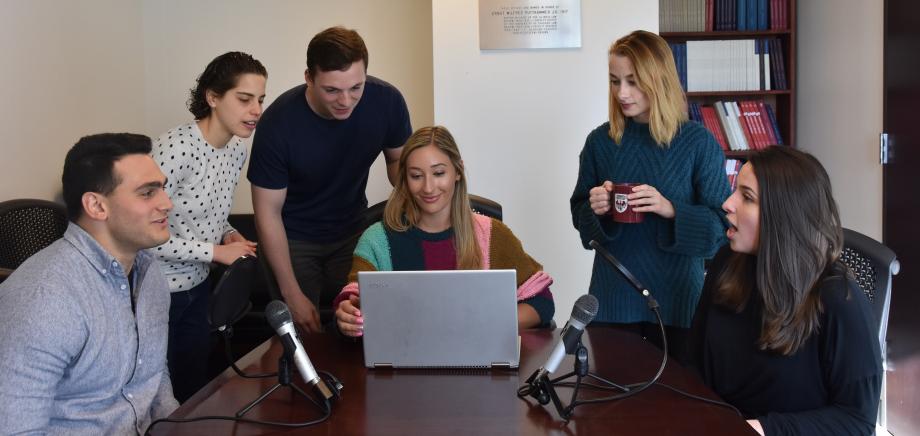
703 399
326 407
631 389
635 388
227 333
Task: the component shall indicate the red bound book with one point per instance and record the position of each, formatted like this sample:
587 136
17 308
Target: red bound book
734 181
751 114
732 166
783 14
750 131
709 15
766 128
774 14
765 121
745 129
711 121
763 128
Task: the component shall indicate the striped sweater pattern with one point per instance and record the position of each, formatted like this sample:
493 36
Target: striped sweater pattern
382 249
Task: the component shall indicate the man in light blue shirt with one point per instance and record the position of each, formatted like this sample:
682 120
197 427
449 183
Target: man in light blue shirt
83 322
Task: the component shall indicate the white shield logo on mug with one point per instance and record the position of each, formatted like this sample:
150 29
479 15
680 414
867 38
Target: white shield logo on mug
619 202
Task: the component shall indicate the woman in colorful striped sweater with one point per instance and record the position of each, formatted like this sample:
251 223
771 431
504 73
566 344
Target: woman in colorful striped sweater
428 225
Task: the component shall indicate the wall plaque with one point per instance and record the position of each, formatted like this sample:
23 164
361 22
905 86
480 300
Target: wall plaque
510 24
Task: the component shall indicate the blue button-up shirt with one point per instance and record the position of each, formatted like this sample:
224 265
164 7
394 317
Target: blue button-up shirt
75 357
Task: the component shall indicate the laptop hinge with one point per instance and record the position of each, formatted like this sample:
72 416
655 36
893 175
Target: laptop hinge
383 365
501 365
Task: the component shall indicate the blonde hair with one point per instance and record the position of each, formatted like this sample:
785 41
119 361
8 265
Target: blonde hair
402 213
656 76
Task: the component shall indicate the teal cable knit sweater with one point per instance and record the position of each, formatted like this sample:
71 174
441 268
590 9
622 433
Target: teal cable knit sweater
666 255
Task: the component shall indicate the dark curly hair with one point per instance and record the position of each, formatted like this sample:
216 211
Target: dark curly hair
219 77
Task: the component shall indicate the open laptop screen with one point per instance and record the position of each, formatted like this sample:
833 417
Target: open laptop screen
454 319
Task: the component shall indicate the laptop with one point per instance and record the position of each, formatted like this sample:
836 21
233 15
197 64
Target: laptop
440 319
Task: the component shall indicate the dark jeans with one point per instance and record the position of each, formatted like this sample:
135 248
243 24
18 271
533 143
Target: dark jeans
189 340
677 337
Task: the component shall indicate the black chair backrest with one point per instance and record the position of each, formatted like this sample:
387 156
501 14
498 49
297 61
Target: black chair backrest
26 227
480 205
872 264
484 206
230 299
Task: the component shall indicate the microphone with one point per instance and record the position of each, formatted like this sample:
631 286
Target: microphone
279 317
583 313
650 300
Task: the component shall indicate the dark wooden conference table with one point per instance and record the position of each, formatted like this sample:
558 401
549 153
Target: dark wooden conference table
467 402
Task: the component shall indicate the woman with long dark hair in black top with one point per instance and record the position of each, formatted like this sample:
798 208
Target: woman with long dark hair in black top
783 332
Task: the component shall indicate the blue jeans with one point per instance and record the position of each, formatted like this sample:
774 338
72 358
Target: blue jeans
189 340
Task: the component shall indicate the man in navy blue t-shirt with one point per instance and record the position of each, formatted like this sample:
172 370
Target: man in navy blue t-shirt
309 166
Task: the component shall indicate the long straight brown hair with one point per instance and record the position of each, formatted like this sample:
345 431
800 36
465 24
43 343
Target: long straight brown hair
656 76
401 212
800 237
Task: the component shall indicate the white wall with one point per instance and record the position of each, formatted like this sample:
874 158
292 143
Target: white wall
839 114
521 118
77 68
68 71
181 37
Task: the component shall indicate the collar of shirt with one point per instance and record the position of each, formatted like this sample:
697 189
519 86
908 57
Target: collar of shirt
101 259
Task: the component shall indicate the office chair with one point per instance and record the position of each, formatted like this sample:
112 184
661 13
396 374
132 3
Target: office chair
873 265
480 205
26 227
484 206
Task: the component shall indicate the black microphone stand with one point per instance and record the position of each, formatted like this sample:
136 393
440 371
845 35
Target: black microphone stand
285 377
543 389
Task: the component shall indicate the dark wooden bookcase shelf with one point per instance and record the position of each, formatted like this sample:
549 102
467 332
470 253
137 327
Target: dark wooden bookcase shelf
783 101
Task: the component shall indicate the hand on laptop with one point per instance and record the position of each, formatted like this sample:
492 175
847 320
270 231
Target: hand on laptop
348 317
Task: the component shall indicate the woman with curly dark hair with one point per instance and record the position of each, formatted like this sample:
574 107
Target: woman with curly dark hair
202 161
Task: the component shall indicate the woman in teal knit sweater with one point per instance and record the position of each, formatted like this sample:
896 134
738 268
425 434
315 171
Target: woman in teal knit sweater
680 171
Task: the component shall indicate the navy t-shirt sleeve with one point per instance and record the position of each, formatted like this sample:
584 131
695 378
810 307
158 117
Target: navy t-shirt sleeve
268 167
400 126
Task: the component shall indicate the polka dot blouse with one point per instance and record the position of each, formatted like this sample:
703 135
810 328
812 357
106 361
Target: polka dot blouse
200 182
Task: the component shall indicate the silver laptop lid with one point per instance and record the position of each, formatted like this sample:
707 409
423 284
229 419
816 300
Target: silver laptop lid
455 319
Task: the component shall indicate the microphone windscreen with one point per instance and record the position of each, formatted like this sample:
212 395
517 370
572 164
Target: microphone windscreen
585 309
277 314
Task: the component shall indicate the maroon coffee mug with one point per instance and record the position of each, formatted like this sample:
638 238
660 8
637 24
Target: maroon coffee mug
619 205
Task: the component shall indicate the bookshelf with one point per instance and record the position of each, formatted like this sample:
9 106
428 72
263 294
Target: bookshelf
677 16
